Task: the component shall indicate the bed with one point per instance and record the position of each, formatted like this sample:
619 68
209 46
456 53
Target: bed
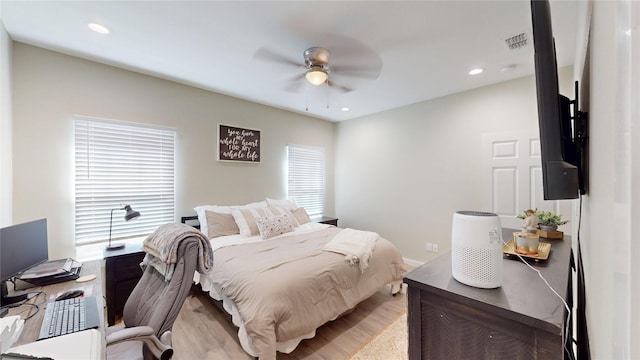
281 276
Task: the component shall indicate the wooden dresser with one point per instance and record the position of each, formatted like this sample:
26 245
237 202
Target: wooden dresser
522 319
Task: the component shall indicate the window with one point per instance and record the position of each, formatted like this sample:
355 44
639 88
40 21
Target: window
305 178
117 164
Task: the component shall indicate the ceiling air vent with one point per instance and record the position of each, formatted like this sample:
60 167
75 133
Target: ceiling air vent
517 41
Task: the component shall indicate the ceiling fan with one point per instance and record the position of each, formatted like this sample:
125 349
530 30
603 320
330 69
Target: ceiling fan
318 70
316 61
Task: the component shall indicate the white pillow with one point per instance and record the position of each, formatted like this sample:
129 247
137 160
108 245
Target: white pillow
274 225
223 209
300 215
246 218
284 203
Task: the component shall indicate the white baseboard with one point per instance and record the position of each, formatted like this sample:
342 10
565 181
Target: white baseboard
414 263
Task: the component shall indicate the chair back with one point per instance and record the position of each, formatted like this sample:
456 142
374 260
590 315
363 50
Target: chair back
156 302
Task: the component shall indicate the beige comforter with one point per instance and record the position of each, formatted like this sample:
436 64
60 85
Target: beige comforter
288 286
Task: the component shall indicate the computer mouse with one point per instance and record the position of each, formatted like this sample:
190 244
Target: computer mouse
70 294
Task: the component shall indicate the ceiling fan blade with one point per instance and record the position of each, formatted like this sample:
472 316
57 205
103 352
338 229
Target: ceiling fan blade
294 87
355 71
341 88
269 55
296 83
349 57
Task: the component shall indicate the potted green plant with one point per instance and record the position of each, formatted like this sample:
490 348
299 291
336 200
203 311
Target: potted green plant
549 221
546 219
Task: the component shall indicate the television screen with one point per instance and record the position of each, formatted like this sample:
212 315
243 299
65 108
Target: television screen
559 145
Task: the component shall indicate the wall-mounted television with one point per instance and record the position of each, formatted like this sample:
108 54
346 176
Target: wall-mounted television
563 132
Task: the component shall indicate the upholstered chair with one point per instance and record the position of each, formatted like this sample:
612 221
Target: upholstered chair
152 308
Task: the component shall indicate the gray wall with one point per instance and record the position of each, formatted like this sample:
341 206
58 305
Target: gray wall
404 172
408 199
6 180
49 88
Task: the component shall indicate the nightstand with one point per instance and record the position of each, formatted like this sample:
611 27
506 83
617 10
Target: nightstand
326 220
122 272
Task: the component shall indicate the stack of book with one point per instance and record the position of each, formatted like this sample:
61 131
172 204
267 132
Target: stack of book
10 330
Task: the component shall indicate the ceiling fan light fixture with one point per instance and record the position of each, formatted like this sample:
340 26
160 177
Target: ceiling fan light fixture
316 75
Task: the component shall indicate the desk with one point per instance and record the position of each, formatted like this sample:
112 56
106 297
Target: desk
91 288
522 319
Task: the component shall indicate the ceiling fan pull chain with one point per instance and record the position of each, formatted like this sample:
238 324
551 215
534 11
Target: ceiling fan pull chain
327 93
306 97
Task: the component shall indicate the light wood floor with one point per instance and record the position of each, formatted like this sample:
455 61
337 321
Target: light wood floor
202 331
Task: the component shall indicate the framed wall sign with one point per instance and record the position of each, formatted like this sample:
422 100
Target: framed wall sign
238 144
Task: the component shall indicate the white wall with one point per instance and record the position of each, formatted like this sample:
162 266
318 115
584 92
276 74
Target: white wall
6 187
633 216
404 172
401 173
610 251
49 88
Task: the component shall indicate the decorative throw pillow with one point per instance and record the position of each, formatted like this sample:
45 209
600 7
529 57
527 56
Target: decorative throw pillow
287 213
301 216
274 225
202 216
224 209
246 218
220 224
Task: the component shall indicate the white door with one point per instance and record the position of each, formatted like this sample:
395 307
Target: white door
512 178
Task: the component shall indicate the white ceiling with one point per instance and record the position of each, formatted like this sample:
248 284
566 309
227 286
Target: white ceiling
425 48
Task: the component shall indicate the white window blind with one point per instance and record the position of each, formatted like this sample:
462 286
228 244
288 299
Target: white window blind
117 164
305 179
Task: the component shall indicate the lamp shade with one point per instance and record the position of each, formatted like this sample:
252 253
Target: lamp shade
131 214
316 75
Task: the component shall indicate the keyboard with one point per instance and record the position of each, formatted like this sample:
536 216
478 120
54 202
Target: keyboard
68 316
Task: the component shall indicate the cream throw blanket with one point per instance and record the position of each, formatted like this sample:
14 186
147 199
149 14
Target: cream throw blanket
357 245
162 248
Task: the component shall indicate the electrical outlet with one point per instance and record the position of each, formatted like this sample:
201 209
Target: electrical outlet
429 247
435 247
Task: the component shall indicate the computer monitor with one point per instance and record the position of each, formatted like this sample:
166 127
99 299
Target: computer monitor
21 247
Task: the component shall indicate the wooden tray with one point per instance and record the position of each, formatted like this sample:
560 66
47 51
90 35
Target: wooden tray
543 250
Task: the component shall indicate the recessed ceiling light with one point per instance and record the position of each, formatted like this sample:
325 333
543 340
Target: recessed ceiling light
345 109
476 71
100 29
509 68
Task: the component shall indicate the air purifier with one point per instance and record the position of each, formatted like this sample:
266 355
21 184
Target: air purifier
476 249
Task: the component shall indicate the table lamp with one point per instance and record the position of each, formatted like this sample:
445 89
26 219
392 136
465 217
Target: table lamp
131 214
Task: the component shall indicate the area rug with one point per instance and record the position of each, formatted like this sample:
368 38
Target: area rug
391 344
